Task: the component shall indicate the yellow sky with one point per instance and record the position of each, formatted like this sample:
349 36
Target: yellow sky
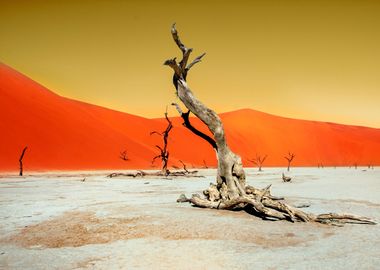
315 60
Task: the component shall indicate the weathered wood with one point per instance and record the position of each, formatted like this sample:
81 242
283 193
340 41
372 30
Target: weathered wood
286 178
230 169
230 191
142 174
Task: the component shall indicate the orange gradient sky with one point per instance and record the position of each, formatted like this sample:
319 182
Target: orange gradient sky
315 60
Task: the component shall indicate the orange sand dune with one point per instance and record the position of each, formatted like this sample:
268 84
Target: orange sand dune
64 134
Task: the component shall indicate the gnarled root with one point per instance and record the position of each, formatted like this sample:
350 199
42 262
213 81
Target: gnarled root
261 203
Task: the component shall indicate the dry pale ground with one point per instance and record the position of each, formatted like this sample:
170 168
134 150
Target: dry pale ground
56 221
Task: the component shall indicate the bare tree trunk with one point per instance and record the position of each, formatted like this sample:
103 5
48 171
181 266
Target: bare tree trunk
20 160
230 176
230 190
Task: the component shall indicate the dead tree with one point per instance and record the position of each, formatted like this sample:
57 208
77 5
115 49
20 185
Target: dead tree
205 164
124 155
289 158
186 123
258 161
231 191
184 166
20 160
164 153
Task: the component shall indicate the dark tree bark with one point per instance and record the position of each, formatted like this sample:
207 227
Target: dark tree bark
231 191
20 160
289 158
164 153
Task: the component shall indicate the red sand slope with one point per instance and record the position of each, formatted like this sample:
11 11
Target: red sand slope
64 134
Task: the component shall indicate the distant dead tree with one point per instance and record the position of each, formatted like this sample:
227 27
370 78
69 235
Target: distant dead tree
258 161
205 164
124 155
184 166
164 153
289 158
20 160
286 178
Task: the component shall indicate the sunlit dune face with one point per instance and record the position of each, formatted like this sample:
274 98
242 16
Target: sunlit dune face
64 134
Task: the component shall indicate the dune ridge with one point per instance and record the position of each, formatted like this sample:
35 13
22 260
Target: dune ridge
65 134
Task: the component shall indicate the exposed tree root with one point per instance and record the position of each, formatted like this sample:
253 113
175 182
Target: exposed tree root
261 203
